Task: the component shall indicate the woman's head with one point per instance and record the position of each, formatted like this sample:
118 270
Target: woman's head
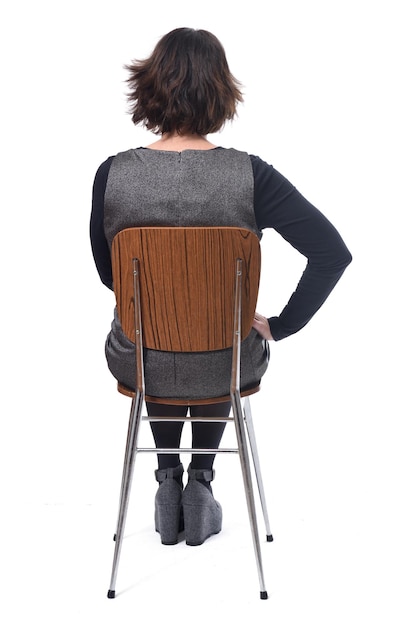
185 86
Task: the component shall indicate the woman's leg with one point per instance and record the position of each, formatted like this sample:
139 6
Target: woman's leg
168 508
202 513
166 434
207 434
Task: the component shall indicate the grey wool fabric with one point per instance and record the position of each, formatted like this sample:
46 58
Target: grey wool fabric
190 188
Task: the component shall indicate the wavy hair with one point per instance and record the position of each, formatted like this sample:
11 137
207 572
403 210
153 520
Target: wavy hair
185 86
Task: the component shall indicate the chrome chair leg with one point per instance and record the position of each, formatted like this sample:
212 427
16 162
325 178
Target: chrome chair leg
128 468
126 458
247 480
254 449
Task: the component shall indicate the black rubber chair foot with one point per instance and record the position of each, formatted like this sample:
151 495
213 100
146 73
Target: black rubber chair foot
111 593
269 538
264 595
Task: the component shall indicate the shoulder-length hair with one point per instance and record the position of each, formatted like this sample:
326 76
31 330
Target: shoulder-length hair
185 86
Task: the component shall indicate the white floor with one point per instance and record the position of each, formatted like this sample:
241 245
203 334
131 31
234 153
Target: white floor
341 496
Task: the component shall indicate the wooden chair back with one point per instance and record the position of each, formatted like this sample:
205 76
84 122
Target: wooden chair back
187 280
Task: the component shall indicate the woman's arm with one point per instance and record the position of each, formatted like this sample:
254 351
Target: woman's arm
280 206
99 245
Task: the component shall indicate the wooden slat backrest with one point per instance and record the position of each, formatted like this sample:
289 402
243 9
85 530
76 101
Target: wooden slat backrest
187 278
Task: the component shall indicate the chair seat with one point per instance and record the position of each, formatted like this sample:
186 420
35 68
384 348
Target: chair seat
127 391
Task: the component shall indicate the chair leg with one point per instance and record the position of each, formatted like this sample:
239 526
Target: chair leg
247 480
128 468
254 449
126 459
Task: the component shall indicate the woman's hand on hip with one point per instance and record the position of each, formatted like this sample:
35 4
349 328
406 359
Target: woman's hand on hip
261 325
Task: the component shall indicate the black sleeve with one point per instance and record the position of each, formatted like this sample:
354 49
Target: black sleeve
99 245
280 206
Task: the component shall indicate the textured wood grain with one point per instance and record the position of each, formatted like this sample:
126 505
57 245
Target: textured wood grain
187 278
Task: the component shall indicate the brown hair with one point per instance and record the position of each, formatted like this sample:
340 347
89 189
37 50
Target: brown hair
185 86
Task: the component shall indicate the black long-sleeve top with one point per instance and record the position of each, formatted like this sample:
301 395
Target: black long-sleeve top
278 205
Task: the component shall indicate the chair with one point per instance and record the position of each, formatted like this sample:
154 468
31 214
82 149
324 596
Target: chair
184 290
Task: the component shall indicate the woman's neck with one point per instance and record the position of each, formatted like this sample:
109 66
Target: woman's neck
178 143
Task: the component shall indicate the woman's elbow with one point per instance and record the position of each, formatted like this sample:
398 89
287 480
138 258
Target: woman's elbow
347 258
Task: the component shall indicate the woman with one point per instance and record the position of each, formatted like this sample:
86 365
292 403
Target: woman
183 92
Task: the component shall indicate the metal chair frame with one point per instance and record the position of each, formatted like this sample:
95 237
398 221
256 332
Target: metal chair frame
241 417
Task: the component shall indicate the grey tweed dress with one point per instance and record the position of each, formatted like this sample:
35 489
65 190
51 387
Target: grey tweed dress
190 188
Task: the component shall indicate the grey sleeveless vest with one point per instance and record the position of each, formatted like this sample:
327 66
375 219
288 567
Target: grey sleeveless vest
189 188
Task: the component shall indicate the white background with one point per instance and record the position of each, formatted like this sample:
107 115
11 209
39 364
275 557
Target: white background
329 101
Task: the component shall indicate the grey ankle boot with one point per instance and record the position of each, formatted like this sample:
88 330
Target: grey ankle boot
168 509
202 513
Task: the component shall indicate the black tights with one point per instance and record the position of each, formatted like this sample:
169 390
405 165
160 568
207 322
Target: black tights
204 435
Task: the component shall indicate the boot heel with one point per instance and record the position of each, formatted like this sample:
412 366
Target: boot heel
168 509
200 522
167 522
202 513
